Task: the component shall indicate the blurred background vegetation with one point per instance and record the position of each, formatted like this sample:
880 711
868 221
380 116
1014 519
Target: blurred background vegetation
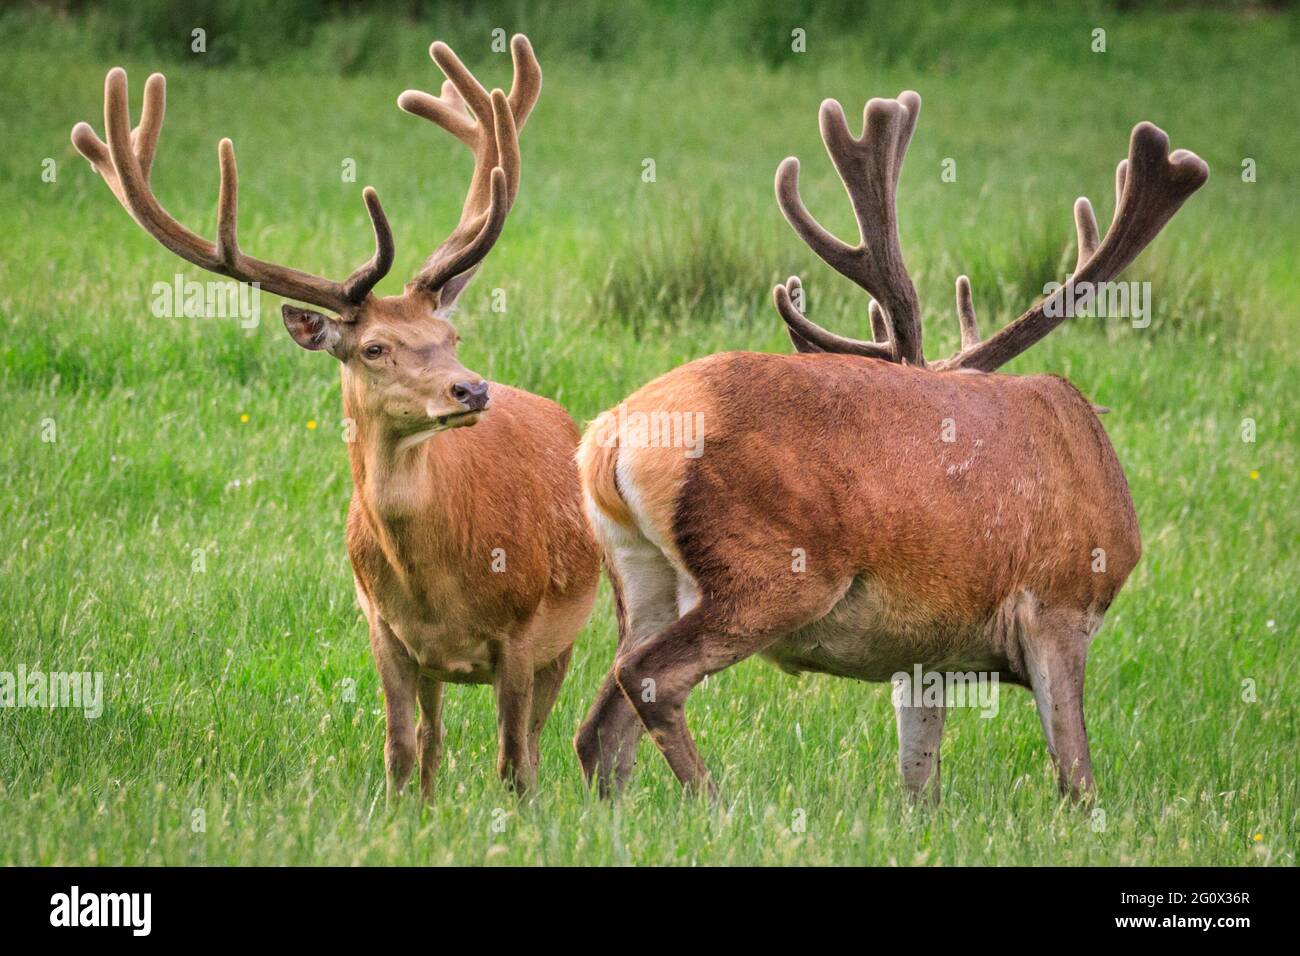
641 66
342 36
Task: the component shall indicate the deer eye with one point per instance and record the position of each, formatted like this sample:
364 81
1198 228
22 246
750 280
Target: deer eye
373 350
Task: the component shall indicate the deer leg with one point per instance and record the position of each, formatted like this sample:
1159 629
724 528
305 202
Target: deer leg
657 674
398 675
513 686
920 733
606 742
1056 651
429 731
645 593
546 687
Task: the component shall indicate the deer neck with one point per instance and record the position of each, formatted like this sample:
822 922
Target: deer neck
405 483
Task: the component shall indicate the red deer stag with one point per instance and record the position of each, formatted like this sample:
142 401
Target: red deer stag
472 558
826 524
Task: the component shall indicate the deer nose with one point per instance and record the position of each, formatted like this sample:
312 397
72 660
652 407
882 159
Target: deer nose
473 395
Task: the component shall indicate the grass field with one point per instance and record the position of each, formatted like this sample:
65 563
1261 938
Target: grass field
238 680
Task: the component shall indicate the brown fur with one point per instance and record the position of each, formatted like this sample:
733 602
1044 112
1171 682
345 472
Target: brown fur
951 528
917 550
426 529
473 564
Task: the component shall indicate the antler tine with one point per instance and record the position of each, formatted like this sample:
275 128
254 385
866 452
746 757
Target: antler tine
1152 184
227 248
794 291
93 149
832 251
1121 174
1085 226
527 84
970 333
869 167
460 258
125 163
144 138
367 275
808 336
879 322
447 111
911 101
466 84
474 236
488 123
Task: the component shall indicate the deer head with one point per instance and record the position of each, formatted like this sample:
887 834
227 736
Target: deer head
1150 186
398 352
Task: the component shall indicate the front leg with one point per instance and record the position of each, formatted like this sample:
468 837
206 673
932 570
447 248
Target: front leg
430 732
607 741
1056 656
398 675
513 686
546 687
920 733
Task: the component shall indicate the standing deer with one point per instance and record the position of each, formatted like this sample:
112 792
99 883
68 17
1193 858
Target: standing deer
472 558
975 554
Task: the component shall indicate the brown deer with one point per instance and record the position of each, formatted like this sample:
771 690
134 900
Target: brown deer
827 524
472 557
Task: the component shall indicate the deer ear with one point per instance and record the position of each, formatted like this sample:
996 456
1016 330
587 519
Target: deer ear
452 288
312 330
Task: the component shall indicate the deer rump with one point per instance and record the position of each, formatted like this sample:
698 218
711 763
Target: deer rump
905 516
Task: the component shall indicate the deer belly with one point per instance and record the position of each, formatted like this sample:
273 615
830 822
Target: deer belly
865 638
449 653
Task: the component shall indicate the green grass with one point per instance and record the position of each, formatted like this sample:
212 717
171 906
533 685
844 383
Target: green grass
246 690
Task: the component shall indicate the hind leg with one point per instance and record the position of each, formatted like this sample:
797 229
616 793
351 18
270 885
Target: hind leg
645 594
1055 645
658 673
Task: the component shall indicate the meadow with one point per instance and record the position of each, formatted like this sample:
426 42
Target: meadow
174 489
